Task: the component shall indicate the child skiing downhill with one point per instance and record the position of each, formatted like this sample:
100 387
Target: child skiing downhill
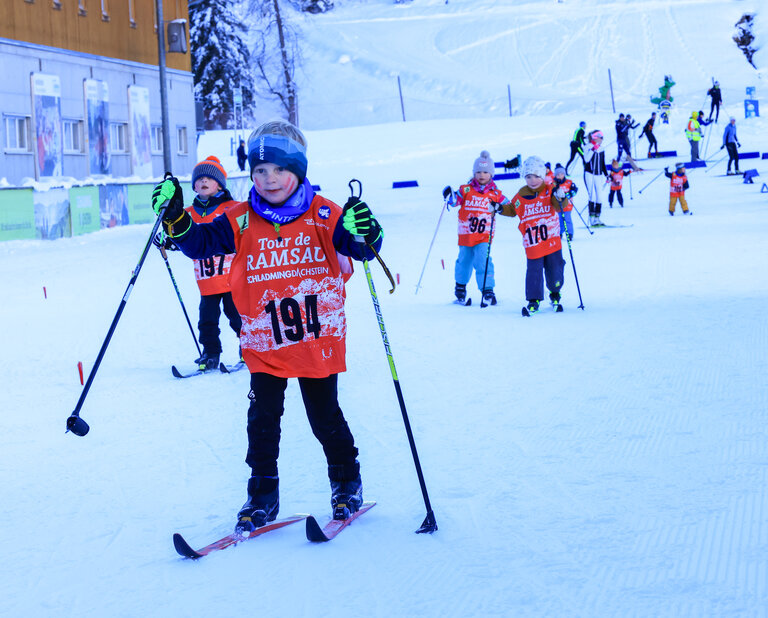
475 221
293 250
594 174
538 206
209 182
570 189
678 184
616 178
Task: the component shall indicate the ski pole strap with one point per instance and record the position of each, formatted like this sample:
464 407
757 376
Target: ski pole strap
384 266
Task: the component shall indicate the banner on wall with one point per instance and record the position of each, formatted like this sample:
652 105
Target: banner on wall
113 204
138 109
96 96
46 120
17 216
84 210
52 214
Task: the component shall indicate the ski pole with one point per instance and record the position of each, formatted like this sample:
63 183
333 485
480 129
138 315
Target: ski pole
630 187
178 295
75 424
591 232
429 524
706 171
652 181
573 264
487 260
447 193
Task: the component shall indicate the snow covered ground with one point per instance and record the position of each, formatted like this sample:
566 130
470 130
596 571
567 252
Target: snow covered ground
605 462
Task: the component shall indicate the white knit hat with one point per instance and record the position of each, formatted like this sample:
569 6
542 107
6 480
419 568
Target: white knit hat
535 166
484 163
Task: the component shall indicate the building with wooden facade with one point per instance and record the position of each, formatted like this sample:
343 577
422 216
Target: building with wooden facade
80 90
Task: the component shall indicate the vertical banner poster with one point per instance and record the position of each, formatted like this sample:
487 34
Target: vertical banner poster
138 108
113 205
52 218
46 118
96 96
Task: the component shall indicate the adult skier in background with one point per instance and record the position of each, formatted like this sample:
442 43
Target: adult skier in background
577 144
731 142
648 132
288 281
595 173
717 100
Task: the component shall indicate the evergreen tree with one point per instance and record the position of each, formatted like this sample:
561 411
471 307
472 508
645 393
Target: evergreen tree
220 61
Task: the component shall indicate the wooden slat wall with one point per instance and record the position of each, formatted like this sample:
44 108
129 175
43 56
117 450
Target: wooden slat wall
40 22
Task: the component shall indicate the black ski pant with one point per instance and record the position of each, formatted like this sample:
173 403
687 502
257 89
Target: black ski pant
623 147
714 109
733 155
619 196
652 143
325 418
549 267
208 325
575 150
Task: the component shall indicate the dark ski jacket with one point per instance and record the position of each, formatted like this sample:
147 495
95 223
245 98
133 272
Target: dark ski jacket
717 96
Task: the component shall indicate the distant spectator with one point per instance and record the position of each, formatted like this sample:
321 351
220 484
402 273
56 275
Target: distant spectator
241 156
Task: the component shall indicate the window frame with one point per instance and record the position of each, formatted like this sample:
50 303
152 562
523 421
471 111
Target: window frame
26 133
76 132
118 132
156 139
182 145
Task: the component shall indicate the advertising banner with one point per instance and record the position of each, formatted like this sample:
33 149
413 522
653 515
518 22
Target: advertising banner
17 216
113 205
84 210
96 96
52 214
138 109
140 204
46 120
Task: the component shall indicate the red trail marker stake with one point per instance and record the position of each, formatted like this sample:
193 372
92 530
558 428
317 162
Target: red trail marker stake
45 293
80 370
442 261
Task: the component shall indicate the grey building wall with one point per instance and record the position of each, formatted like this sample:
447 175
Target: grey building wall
18 60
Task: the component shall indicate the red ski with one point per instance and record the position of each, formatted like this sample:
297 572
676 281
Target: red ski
184 549
316 534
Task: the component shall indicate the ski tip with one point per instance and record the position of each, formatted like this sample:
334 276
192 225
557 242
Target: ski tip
183 548
176 373
314 531
223 368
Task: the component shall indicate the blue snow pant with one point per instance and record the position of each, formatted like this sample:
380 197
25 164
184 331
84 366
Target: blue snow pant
552 266
565 220
474 257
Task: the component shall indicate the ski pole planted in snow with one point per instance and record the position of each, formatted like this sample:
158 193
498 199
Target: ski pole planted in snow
487 259
652 181
720 160
447 200
75 424
178 295
575 276
429 524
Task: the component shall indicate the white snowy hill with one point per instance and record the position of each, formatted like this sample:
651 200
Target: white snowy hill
604 462
457 59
